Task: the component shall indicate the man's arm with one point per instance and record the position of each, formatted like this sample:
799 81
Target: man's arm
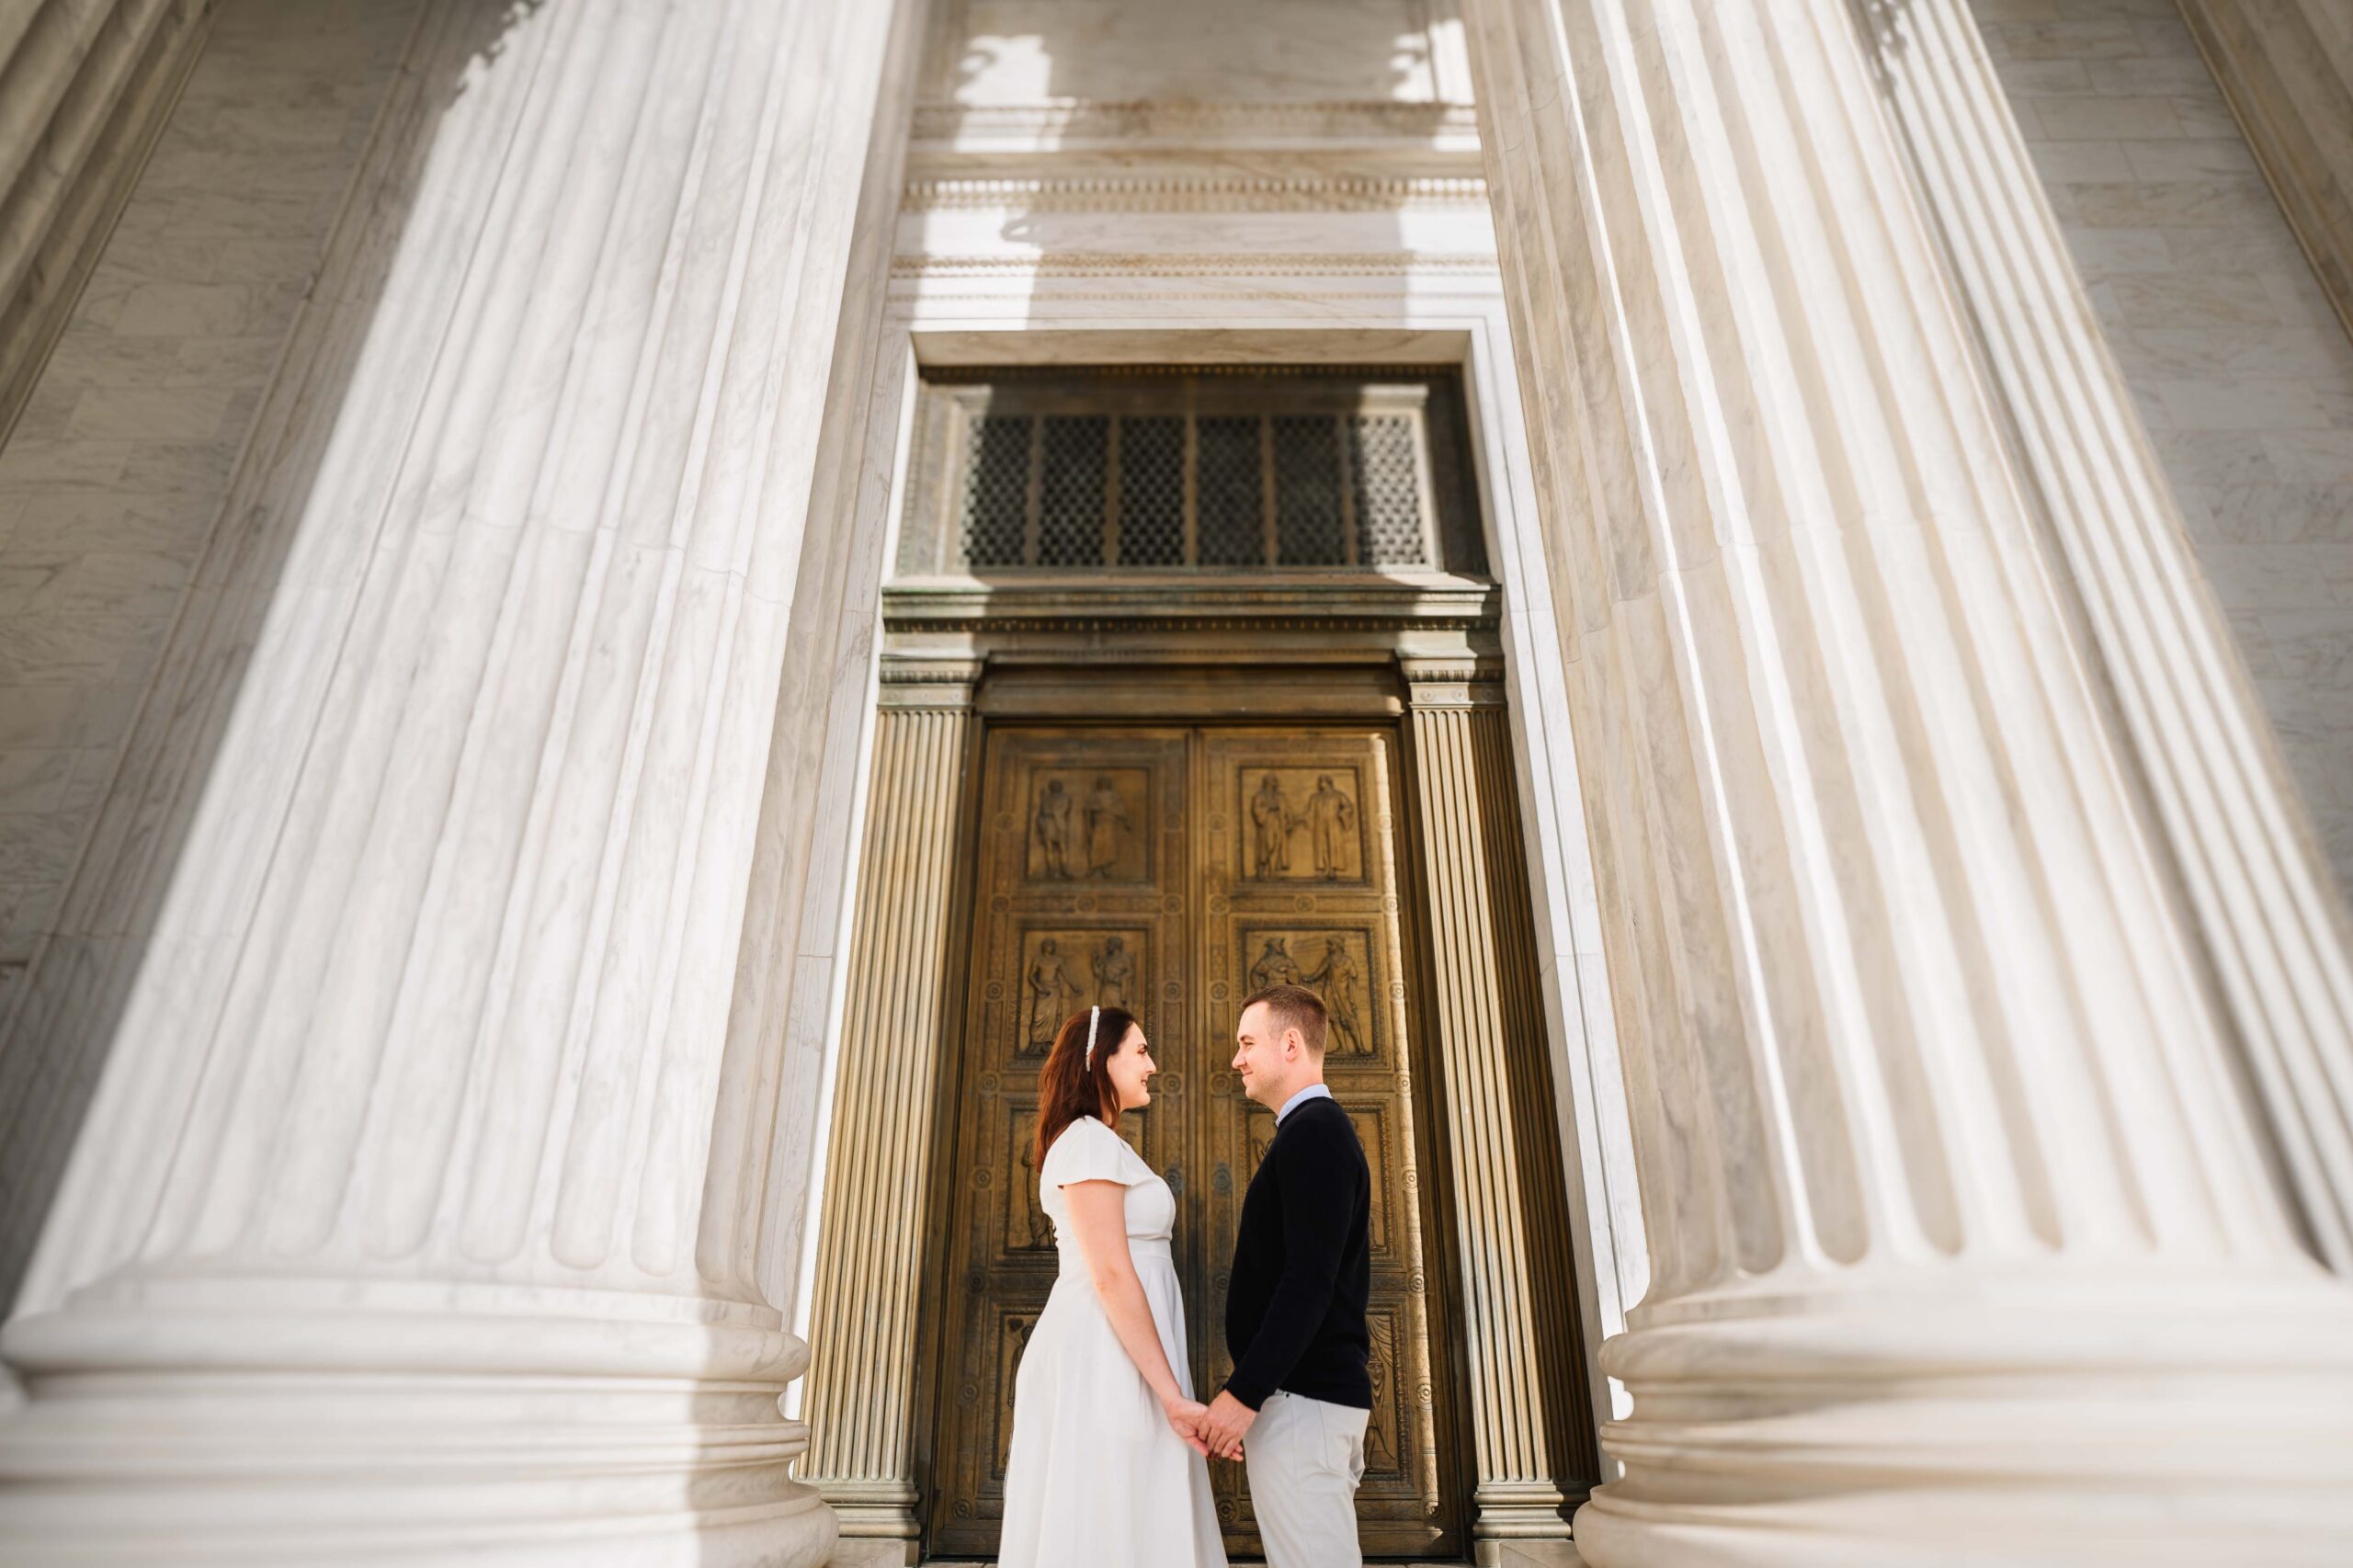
1312 1180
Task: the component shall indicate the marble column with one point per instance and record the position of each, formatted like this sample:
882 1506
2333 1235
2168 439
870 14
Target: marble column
422 1212
860 1398
1530 1443
1964 1248
2268 918
85 86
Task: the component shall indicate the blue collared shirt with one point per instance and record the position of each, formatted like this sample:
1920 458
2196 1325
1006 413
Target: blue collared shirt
1312 1091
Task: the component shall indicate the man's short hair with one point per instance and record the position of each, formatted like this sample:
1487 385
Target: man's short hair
1293 1007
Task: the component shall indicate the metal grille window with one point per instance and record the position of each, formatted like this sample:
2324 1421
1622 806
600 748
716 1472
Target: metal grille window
1142 470
1152 490
1381 463
1307 493
1072 465
1229 492
996 490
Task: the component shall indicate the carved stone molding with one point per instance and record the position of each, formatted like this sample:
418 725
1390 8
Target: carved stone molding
1208 194
910 684
1183 263
951 619
1067 123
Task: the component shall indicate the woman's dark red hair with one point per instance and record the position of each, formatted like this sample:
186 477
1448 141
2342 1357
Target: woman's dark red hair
1069 1086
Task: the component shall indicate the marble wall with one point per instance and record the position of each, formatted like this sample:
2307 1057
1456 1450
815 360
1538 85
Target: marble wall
116 473
2243 372
1256 51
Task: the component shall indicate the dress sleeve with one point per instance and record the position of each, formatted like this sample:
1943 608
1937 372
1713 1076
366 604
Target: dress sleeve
1088 1151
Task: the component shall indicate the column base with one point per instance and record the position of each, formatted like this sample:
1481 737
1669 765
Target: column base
1523 1513
878 1519
2155 1420
190 1422
1528 1554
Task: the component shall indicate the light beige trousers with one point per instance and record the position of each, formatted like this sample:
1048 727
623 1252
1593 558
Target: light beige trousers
1304 1458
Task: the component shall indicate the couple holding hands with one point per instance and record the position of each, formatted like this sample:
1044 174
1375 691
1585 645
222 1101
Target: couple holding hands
1109 1467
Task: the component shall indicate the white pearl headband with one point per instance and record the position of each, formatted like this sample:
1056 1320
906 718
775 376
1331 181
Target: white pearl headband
1094 1017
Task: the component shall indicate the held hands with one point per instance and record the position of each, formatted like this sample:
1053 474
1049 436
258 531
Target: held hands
1185 1419
1210 1429
1222 1424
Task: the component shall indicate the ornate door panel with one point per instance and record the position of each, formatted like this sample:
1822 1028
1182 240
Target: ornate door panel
1173 871
1299 884
1080 900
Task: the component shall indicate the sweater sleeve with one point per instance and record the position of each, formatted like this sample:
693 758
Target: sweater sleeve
1311 1178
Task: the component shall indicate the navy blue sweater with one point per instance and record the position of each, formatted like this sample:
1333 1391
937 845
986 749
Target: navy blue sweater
1303 1267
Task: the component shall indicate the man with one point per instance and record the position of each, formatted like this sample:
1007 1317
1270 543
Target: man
1295 1306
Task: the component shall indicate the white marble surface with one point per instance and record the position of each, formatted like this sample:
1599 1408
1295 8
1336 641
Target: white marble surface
1955 1214
2241 369
453 1066
2227 347
113 485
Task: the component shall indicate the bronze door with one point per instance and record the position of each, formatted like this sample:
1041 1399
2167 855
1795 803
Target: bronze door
1175 869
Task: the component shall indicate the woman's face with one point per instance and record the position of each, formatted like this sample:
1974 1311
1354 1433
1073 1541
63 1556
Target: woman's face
1130 1070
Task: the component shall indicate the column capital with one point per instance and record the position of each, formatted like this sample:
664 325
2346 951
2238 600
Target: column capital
928 683
1451 680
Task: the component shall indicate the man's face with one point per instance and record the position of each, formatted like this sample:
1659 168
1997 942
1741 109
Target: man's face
1259 1053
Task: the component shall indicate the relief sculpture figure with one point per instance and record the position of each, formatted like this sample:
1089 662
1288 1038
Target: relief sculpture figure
1049 989
1107 821
1342 988
1380 1453
1052 828
1114 968
1270 822
1331 824
1041 1229
1275 966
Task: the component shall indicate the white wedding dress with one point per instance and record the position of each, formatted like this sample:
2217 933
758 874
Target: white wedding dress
1096 1478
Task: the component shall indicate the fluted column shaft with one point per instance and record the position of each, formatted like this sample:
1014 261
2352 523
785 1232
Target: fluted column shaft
860 1397
1528 1415
470 1123
1957 1212
2267 916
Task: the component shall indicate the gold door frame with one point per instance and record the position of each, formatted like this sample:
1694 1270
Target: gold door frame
1421 653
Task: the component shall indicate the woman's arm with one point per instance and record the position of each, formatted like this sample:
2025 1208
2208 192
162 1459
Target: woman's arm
1098 1215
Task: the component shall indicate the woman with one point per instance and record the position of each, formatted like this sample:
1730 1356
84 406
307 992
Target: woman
1105 1471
